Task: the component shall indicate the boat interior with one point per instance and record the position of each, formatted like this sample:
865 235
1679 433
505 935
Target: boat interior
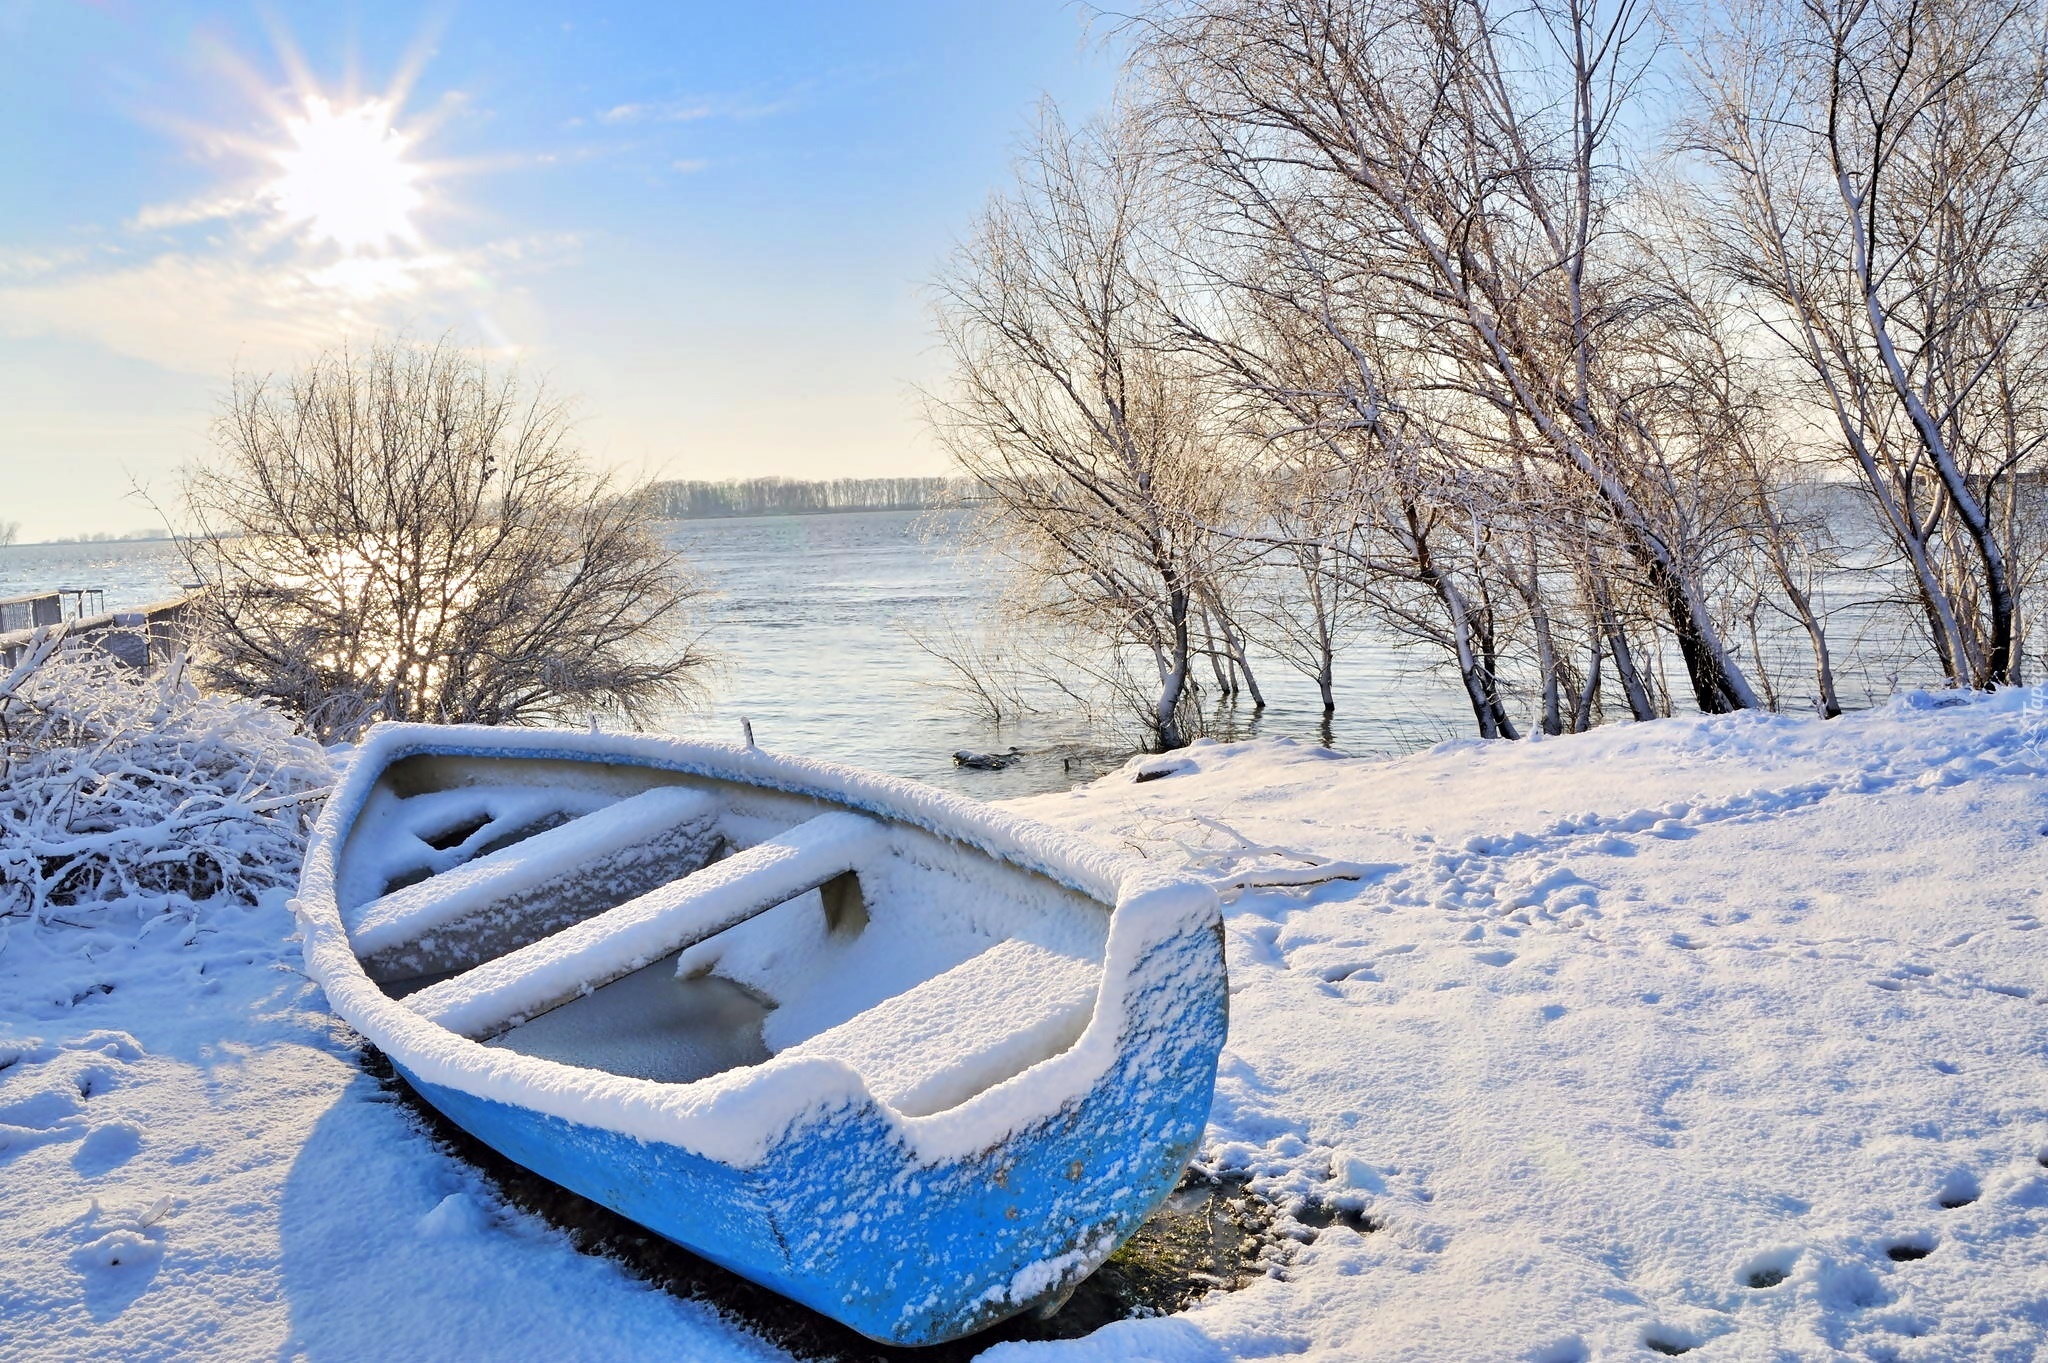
668 927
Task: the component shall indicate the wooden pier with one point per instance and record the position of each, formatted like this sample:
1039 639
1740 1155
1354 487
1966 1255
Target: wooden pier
144 637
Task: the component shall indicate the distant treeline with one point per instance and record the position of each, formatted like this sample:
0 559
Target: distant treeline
695 500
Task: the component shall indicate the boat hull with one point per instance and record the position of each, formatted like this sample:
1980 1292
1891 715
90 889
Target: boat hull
908 1230
932 1251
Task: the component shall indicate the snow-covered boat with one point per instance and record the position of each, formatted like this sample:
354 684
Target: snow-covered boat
912 1061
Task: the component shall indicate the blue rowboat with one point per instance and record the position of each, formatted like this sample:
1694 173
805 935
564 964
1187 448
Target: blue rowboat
914 1062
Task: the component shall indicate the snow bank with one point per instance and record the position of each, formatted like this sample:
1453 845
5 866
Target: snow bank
1713 1036
132 790
1667 1036
193 1165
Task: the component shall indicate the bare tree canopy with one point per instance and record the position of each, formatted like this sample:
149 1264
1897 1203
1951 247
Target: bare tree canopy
401 533
1090 440
1881 197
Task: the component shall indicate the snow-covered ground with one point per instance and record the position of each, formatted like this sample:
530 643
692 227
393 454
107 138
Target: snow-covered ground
1719 1036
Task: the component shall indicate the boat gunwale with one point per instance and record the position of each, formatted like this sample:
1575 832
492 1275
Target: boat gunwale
735 1117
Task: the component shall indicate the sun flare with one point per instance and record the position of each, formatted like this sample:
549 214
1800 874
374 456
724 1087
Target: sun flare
345 177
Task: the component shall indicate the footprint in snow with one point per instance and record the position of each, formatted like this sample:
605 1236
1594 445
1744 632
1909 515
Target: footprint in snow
53 1114
1909 1249
1767 1270
1959 1189
44 1091
119 1255
1669 1342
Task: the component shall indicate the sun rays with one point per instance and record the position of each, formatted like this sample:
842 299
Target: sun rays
344 179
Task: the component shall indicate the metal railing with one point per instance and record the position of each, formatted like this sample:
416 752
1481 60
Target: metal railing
143 638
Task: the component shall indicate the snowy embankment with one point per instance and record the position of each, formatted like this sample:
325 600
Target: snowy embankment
1718 1036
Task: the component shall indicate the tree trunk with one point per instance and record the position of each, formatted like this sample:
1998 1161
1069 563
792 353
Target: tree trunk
1173 679
1546 663
1233 640
1582 713
1640 706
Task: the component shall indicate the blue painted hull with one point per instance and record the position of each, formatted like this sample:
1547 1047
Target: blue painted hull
842 1217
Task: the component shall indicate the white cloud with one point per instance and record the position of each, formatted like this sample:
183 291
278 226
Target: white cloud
690 165
212 208
23 264
691 110
209 314
668 112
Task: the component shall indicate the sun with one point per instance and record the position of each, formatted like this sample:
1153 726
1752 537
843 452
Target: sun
345 177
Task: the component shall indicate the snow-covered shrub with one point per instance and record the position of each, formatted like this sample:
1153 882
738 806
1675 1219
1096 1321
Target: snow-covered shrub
135 791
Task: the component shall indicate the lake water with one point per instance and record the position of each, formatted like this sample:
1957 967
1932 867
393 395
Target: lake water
810 624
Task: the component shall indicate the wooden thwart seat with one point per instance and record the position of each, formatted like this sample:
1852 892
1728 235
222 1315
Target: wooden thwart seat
538 885
528 982
938 1044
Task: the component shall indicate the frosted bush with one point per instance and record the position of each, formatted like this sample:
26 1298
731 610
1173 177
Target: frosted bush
132 791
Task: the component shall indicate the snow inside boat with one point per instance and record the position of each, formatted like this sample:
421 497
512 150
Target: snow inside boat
912 1061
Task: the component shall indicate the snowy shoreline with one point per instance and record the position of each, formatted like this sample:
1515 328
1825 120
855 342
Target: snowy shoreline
1615 1027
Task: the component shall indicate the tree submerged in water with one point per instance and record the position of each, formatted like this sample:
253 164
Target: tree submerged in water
398 533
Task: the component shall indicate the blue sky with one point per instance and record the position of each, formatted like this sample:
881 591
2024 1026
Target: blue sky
707 222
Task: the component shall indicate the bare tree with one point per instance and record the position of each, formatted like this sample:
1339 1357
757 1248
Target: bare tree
1762 480
1369 490
1464 155
1092 442
400 533
1884 159
10 531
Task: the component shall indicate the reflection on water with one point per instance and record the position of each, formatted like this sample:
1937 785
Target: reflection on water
809 625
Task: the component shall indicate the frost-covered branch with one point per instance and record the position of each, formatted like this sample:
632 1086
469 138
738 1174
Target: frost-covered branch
128 792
